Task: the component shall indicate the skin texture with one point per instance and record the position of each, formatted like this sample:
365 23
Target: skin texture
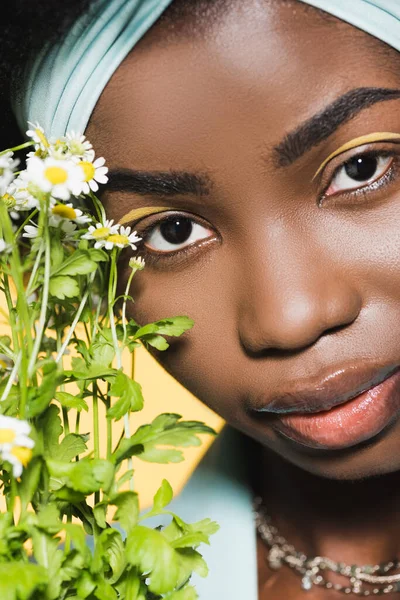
285 288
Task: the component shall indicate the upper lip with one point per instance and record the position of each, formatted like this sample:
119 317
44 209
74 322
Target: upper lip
324 393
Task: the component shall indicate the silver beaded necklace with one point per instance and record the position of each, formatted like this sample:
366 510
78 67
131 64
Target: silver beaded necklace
366 580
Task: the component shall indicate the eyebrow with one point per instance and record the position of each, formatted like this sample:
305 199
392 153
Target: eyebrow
322 125
159 183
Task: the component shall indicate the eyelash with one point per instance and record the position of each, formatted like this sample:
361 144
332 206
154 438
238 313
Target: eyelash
173 257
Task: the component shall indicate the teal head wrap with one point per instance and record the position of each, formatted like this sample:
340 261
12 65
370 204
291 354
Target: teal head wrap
63 84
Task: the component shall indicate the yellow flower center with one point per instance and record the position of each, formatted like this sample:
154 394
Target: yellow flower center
56 175
7 436
65 212
3 364
42 138
88 169
117 238
23 454
9 200
101 233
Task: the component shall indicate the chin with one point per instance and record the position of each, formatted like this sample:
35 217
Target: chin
379 455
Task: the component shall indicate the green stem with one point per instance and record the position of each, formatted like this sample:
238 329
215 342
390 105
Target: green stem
96 435
111 297
128 286
12 377
22 324
75 321
96 432
11 314
109 428
16 148
32 277
77 423
44 300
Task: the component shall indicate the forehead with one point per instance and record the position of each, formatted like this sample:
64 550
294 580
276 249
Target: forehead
257 73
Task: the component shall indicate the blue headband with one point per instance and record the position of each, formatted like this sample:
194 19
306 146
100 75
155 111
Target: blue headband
63 84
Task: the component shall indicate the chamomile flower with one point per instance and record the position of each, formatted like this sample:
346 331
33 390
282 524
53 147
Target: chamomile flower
137 263
19 457
15 443
67 212
94 172
18 197
7 166
31 231
68 230
60 177
100 232
121 237
36 133
4 247
77 145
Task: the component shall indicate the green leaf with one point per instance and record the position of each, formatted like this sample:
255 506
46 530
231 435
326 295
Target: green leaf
40 397
92 372
65 494
105 591
173 326
98 255
78 537
156 341
100 513
47 554
130 396
57 251
86 584
49 428
62 287
30 480
109 554
71 446
79 263
103 351
49 519
72 566
148 550
130 586
70 401
20 580
166 430
163 496
86 476
128 510
125 477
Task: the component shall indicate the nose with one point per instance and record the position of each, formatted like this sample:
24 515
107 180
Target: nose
292 298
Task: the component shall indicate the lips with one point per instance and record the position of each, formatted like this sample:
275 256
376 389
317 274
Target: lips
341 410
332 390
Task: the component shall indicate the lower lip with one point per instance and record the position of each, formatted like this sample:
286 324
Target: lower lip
348 424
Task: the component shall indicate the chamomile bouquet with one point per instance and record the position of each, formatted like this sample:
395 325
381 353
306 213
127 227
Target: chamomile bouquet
69 528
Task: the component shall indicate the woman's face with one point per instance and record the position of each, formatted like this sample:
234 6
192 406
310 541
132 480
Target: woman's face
292 280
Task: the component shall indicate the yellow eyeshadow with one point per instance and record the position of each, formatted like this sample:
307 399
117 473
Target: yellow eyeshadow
360 141
139 213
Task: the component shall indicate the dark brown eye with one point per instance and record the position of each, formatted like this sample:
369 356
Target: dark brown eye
358 172
361 168
175 232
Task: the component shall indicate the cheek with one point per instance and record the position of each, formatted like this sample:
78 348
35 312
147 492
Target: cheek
203 358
